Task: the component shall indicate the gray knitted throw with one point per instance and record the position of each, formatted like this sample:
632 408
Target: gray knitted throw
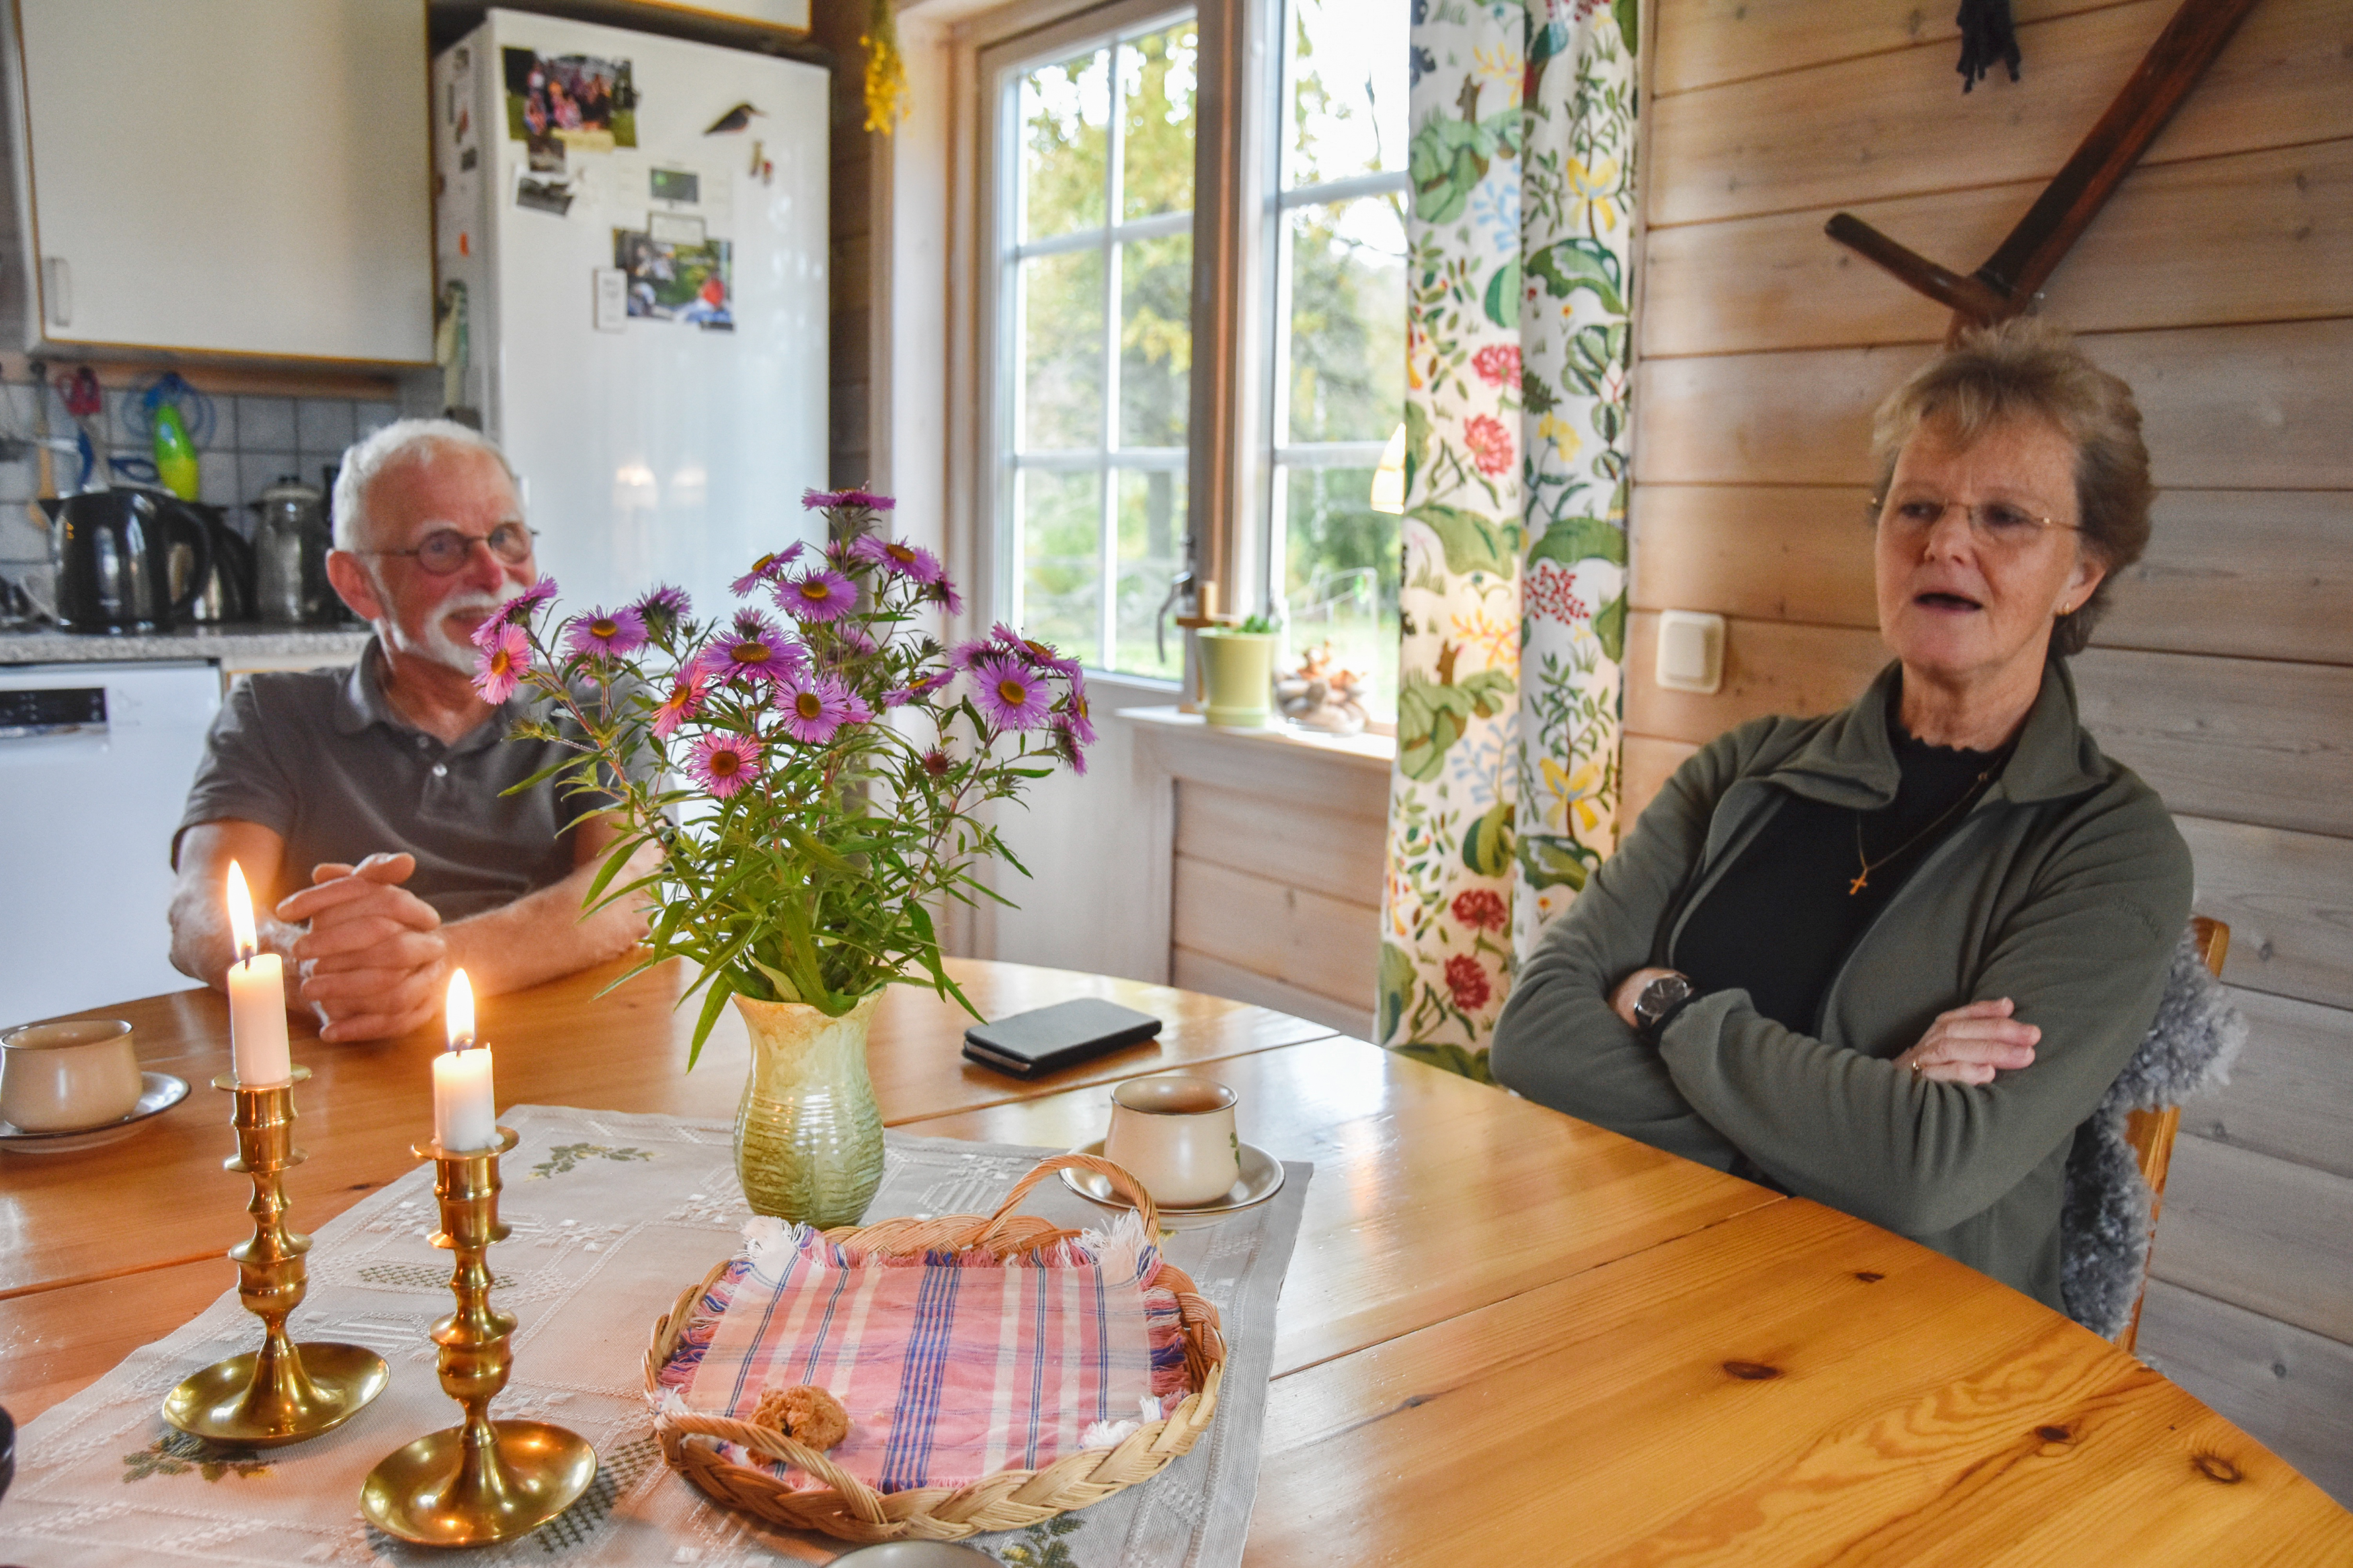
2103 1223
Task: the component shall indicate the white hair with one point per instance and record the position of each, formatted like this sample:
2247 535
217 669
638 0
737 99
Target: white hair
367 458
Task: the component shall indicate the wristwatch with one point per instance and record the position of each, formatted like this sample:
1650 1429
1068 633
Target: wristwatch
1661 1000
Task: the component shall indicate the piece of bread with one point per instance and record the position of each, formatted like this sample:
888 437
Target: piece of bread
807 1415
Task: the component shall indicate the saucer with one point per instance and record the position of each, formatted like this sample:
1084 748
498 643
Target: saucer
162 1091
1262 1178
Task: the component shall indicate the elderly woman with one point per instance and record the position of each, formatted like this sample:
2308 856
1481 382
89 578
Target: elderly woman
1890 958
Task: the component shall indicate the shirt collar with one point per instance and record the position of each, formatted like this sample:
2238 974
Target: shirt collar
361 704
1851 759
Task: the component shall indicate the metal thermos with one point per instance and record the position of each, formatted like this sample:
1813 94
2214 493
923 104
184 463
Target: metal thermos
290 552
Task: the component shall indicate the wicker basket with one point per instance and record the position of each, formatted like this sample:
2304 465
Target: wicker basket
845 1507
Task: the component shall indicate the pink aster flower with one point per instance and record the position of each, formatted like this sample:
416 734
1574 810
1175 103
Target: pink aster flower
506 660
515 611
1011 694
825 500
765 571
897 555
723 764
606 634
757 651
685 697
664 609
964 655
1067 743
814 707
1070 713
920 686
945 592
818 596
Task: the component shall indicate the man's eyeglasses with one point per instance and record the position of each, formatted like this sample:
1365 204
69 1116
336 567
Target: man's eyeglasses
1996 524
445 550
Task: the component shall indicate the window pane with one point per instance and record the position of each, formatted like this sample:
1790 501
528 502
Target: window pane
1156 341
1151 526
1065 134
1340 575
1061 560
1348 88
1061 352
1347 321
1156 87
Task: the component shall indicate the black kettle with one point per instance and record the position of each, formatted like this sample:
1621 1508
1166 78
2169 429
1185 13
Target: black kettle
113 551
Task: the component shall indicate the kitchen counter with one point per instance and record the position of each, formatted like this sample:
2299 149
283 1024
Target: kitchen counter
224 644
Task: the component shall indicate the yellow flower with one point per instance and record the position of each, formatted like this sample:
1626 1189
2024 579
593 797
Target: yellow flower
1573 791
1593 193
1502 63
1566 442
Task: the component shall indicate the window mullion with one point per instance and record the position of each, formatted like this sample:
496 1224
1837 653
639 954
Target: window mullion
1114 155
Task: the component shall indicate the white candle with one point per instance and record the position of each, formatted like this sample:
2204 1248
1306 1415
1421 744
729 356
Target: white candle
256 998
464 1108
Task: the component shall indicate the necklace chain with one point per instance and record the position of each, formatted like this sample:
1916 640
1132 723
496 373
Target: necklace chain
1862 879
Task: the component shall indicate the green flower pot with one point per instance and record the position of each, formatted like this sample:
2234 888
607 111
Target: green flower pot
808 1136
1238 671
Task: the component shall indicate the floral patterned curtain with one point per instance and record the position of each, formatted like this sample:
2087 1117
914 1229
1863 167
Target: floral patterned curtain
1514 591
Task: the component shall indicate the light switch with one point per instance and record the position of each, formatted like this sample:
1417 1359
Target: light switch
1691 651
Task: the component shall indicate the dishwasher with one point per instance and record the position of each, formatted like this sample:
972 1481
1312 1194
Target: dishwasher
95 765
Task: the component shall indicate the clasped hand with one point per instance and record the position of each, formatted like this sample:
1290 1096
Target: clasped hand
1968 1045
375 959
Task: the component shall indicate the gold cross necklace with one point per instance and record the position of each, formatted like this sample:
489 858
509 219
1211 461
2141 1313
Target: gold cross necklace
1856 886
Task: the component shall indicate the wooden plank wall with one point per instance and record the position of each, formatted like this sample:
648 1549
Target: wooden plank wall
1275 892
2220 283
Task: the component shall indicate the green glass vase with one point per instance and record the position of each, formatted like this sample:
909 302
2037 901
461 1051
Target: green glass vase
808 1136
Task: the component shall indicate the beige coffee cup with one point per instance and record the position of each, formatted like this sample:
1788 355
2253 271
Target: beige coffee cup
70 1076
1175 1134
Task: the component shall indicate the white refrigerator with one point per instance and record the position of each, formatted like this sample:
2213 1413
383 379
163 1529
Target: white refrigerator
632 248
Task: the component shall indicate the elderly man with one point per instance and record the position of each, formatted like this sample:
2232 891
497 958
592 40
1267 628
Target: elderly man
370 806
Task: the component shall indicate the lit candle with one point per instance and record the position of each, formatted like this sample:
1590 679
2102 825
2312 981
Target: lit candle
464 1113
256 998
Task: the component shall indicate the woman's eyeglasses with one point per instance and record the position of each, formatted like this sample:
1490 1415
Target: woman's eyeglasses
1997 524
445 550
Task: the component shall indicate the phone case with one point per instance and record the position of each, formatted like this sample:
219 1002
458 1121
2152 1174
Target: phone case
1051 1038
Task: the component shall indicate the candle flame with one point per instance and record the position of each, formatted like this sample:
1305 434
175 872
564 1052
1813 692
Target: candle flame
460 1012
241 914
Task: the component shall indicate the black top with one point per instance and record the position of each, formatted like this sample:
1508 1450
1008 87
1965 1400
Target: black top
1781 918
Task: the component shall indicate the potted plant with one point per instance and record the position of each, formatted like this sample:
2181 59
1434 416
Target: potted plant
1237 673
809 764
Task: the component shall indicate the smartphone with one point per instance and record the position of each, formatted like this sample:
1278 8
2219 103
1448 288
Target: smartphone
1051 1038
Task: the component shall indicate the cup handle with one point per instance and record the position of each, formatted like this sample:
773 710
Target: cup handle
1117 1175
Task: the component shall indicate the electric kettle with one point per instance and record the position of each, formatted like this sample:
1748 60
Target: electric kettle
113 552
289 551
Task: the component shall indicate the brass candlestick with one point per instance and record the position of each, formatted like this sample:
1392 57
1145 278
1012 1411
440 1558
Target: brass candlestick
486 1480
284 1392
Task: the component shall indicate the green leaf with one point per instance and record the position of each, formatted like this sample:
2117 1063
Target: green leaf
1471 543
1417 441
1580 263
1629 25
1487 842
1546 861
720 991
1396 983
1609 625
1503 301
1570 540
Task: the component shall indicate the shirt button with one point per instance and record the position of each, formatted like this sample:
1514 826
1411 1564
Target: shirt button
441 770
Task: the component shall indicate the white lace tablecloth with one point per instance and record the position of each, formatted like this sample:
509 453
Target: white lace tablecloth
613 1215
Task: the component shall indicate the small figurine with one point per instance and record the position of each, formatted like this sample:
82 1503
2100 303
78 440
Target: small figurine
1322 694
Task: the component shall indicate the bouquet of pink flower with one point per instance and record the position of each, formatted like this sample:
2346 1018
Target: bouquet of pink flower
810 781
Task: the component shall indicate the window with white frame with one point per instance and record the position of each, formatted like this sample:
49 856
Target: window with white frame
1335 384
1094 218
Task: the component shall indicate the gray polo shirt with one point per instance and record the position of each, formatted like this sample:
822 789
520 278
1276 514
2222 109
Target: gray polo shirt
320 758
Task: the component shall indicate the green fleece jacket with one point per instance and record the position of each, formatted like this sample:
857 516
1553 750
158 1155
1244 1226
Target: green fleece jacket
2065 889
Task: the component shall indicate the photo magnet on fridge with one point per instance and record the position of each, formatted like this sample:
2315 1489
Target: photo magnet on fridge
672 282
591 103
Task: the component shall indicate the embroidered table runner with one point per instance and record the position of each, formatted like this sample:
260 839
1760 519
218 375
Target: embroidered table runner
612 1215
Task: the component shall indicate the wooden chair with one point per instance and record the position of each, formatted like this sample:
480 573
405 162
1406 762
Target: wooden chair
2150 1132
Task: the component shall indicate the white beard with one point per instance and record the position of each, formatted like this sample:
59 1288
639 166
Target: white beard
433 641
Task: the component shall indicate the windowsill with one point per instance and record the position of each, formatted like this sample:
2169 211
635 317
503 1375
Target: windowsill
1367 750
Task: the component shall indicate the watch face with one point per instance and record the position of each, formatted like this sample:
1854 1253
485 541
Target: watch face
1659 995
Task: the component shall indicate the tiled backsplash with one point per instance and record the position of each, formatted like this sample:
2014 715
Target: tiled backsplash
253 441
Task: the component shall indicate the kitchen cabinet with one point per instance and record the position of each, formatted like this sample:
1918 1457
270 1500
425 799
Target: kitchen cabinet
237 176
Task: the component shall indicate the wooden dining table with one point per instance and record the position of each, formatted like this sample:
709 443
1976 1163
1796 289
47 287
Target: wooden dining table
1506 1336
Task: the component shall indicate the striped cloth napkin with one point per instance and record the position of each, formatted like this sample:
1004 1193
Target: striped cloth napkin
953 1366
